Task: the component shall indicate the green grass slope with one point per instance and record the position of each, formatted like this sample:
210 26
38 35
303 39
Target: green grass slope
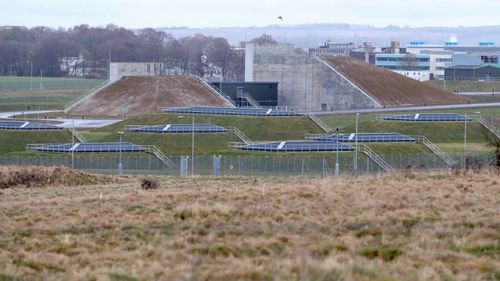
14 142
256 128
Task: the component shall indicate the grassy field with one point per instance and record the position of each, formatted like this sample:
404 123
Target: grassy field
256 128
466 86
393 227
16 93
10 83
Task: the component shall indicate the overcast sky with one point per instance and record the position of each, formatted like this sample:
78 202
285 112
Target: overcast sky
231 13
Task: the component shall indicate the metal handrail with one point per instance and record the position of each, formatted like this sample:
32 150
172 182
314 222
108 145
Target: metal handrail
212 111
159 154
490 127
186 130
436 150
224 97
376 158
92 92
240 135
364 139
410 118
320 123
77 135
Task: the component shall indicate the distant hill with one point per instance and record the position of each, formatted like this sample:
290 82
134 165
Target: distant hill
309 35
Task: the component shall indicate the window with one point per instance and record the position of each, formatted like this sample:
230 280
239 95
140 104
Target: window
443 59
440 67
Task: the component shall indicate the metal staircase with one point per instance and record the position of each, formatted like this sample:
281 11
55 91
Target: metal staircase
240 135
481 120
436 150
219 94
77 135
320 123
376 158
249 99
70 105
162 157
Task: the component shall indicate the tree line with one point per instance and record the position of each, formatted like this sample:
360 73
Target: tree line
87 50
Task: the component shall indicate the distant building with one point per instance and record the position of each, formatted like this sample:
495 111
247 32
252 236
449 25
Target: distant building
461 55
413 66
330 49
119 69
485 72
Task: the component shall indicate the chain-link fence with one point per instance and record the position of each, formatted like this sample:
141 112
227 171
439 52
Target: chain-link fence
282 165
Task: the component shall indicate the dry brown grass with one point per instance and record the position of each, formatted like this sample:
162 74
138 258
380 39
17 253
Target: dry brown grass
40 176
394 227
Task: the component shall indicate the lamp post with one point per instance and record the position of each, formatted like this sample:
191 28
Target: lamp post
192 143
120 165
337 168
465 142
73 146
356 147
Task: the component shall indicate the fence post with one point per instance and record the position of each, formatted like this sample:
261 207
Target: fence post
184 166
216 166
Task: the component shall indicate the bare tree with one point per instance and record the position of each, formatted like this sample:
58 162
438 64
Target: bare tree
409 62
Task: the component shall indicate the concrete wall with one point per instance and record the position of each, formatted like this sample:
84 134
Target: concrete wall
304 83
119 69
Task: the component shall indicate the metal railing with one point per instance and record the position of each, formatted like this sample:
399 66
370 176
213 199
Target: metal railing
416 117
291 146
160 155
77 135
92 92
376 158
237 132
380 138
320 123
186 130
220 95
250 100
490 127
436 150
261 112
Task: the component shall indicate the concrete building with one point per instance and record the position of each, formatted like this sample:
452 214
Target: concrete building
485 72
413 66
305 82
119 69
311 83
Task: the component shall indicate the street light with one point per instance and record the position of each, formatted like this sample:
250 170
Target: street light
120 165
465 141
73 146
337 168
356 147
192 143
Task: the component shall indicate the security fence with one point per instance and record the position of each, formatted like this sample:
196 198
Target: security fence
270 165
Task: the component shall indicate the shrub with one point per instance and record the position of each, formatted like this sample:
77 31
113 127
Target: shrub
148 183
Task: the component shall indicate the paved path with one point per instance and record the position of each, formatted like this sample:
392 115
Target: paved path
409 108
478 93
62 122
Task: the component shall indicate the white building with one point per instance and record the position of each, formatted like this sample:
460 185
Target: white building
119 69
